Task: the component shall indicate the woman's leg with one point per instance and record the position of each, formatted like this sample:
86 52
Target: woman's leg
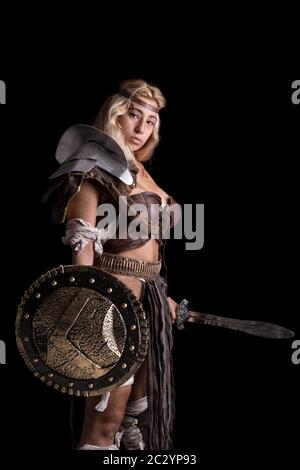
134 425
139 387
99 428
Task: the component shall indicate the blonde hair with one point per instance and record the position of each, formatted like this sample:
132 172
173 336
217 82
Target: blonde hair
116 105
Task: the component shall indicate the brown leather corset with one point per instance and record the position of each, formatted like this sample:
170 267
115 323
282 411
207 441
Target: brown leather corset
156 212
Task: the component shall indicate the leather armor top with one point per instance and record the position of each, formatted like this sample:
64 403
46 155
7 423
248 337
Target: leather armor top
87 153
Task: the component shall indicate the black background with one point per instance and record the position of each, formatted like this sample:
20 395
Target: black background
229 140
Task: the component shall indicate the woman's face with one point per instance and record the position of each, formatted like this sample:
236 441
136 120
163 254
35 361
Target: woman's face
137 124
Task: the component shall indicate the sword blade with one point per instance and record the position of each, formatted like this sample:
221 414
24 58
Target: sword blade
251 327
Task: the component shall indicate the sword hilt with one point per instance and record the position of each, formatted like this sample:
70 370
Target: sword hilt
182 314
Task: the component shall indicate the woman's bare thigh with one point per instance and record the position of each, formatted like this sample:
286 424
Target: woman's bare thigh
139 386
134 284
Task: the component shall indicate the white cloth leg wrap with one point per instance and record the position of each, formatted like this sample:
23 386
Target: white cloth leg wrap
102 405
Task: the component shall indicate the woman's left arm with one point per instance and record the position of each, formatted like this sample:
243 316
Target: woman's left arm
172 305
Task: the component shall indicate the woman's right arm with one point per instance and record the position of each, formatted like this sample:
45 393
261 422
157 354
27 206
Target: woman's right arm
84 206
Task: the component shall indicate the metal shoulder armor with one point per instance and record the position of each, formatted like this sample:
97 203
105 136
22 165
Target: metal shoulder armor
83 147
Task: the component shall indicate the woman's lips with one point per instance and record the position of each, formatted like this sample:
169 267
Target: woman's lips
136 140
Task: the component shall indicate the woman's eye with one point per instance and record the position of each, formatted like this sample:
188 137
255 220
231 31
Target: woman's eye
150 123
134 115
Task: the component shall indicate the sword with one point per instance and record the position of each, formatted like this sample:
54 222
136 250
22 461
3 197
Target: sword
251 327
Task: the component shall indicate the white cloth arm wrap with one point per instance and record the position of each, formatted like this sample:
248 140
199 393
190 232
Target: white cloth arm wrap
79 233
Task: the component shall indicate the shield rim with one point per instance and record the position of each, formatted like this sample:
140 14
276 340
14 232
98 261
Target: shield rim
137 336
